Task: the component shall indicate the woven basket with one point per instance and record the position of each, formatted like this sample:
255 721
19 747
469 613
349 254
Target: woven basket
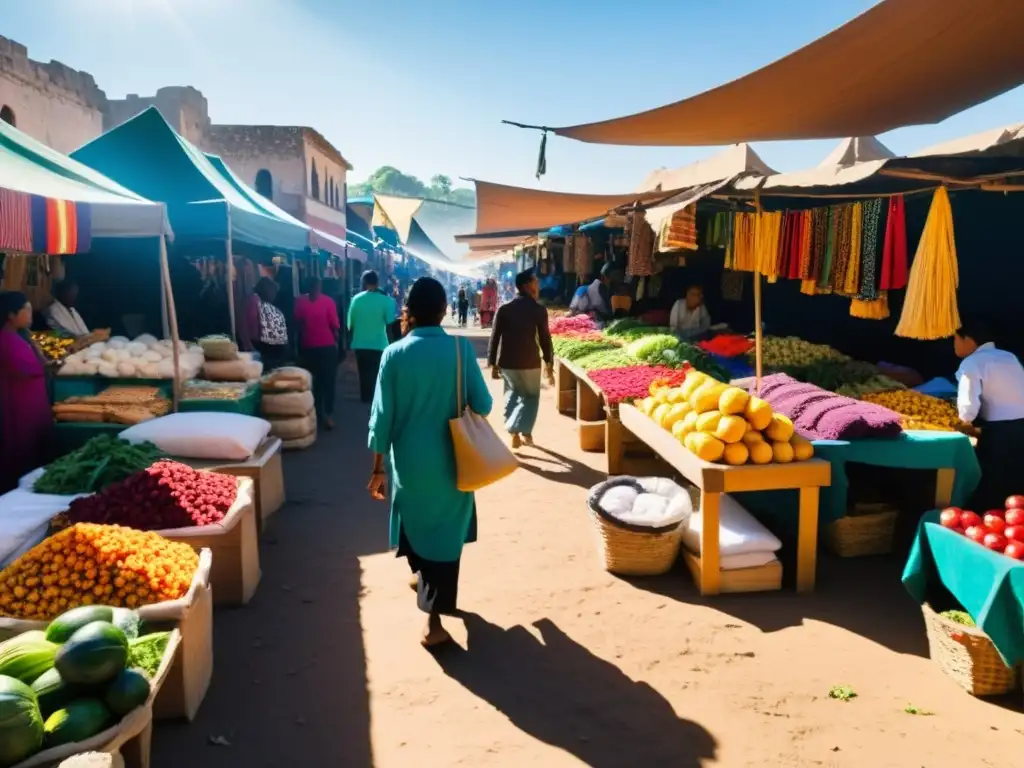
862 535
630 550
968 656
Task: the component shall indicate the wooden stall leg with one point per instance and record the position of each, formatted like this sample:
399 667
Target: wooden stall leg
710 575
613 444
944 487
565 389
807 540
588 403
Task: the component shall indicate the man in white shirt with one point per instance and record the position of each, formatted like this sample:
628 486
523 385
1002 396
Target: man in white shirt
689 317
990 394
61 315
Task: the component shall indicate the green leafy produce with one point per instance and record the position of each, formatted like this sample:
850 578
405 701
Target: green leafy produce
842 693
605 358
639 332
21 725
574 349
959 617
649 348
703 362
831 374
147 652
27 656
96 653
128 690
623 324
54 692
102 461
78 721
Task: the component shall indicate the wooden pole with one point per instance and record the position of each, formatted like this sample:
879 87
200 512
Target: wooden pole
172 316
231 280
758 332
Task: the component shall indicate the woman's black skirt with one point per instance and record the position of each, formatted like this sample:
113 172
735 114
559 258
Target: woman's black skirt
438 587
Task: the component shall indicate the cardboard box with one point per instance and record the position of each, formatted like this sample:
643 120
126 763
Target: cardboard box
234 543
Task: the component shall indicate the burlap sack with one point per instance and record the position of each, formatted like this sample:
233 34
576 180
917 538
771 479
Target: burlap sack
286 404
287 379
294 428
300 444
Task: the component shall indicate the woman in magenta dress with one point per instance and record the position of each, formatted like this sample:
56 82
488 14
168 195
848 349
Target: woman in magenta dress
25 415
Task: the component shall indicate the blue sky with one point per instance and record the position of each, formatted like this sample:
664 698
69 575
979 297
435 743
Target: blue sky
423 85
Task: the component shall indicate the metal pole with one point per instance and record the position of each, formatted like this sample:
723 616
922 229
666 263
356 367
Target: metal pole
758 332
172 316
231 279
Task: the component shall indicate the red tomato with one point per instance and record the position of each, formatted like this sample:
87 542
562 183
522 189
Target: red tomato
1015 549
996 512
976 533
995 541
969 519
1015 502
1014 516
994 523
1014 532
950 518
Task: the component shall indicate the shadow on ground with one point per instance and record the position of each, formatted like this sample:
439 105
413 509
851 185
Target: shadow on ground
560 693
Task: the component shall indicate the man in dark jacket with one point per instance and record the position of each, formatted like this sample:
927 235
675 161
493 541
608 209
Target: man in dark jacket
519 339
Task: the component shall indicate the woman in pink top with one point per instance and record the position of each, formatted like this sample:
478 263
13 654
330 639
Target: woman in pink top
317 318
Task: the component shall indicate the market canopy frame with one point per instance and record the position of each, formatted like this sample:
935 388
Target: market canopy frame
900 63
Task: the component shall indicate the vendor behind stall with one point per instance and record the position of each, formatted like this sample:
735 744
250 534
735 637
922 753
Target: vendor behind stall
689 317
61 315
990 395
594 298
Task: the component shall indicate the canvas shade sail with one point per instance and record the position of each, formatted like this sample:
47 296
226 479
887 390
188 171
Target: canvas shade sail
737 160
148 157
30 167
501 208
902 62
1005 141
859 149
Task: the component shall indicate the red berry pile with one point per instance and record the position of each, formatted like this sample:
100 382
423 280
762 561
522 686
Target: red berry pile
166 495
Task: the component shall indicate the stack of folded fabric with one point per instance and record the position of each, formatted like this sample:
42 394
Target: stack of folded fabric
818 414
743 542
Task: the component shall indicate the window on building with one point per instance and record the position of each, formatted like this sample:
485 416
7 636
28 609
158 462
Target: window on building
7 115
332 199
314 182
265 183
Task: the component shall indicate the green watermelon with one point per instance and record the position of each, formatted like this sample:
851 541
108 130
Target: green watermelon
69 622
53 692
129 690
21 726
78 721
96 653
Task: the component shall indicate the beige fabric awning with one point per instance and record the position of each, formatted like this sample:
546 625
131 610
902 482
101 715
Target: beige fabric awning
733 161
1008 140
860 149
902 62
395 213
500 208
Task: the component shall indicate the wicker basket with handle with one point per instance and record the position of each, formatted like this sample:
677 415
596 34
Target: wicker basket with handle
967 655
869 532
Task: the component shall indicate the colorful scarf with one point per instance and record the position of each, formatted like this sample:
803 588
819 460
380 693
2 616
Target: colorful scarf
894 252
15 221
869 250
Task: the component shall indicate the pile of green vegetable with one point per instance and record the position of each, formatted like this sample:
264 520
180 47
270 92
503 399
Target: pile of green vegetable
605 358
655 349
637 332
102 461
703 362
573 349
78 678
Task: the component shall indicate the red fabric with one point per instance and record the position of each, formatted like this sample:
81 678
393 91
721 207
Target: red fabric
894 254
319 321
15 221
61 227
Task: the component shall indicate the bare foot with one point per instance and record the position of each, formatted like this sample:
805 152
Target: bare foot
516 440
528 439
414 582
435 636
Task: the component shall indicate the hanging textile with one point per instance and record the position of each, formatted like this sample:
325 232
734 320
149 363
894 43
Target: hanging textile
851 280
809 286
641 247
873 309
819 242
844 228
569 256
743 244
583 260
766 243
803 266
732 285
15 221
679 231
831 239
718 230
929 308
894 252
869 249
60 226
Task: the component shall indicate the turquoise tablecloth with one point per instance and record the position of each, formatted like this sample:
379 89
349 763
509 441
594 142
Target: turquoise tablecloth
919 449
988 585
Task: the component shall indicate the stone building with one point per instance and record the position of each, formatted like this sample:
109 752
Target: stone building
51 102
183 107
294 166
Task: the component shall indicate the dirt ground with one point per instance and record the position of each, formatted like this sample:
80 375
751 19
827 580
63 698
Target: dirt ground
559 663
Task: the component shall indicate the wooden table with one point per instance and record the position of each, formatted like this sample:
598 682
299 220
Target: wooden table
580 397
715 479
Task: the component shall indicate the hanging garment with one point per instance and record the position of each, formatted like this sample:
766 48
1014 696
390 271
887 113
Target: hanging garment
929 309
819 242
851 280
803 265
744 244
15 221
874 309
60 226
869 249
680 231
768 230
809 286
894 252
831 238
732 285
844 227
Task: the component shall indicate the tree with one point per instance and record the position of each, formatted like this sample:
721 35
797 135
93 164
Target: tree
388 180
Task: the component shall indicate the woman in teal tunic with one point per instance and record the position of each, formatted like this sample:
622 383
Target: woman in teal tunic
414 400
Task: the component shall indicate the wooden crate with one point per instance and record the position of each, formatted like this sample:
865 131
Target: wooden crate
235 547
764 578
592 436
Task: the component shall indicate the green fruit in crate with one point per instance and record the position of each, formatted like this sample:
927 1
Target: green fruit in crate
21 726
129 690
78 721
53 692
65 625
96 653
27 656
